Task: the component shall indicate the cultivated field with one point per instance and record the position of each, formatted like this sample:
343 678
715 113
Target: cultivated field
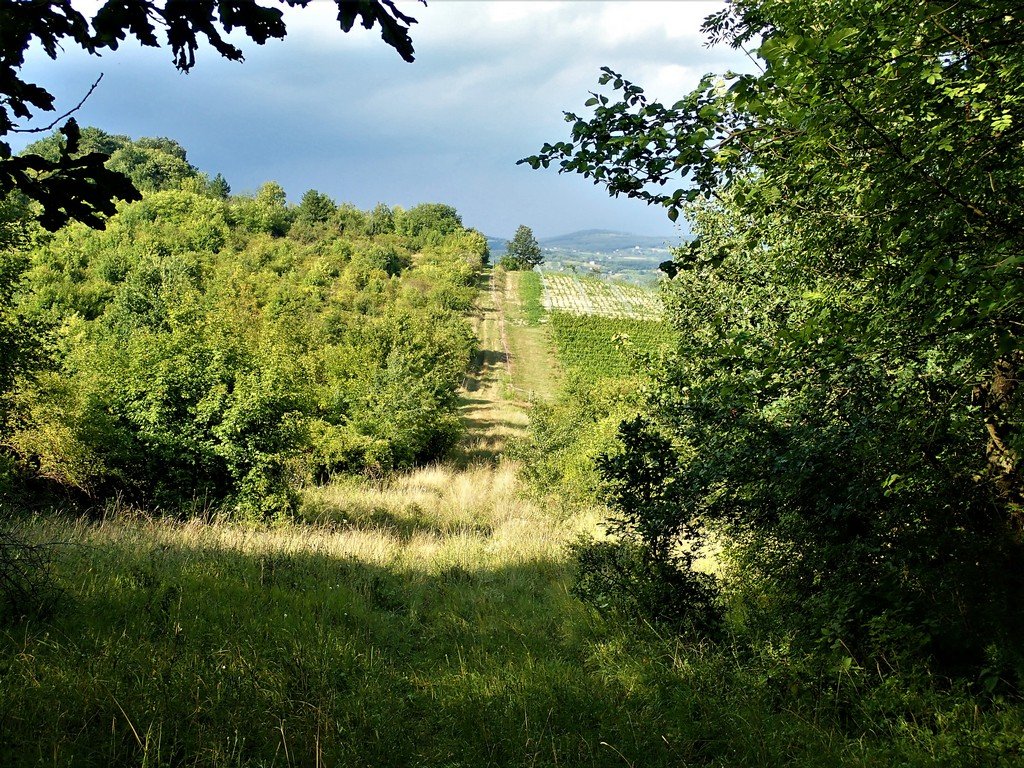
589 296
607 347
603 329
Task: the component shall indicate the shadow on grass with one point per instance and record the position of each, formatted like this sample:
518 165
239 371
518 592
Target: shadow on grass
484 363
177 650
207 655
471 407
484 451
487 431
487 425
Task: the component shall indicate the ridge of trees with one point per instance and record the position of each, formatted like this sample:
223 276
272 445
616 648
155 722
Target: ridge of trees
210 351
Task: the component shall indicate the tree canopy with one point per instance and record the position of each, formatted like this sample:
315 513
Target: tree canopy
76 185
523 250
226 348
844 401
315 208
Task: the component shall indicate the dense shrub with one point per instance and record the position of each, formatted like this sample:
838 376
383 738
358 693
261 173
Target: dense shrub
27 588
844 403
201 354
620 577
607 361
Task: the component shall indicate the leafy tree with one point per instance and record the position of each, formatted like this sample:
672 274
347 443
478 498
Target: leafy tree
17 339
266 212
151 168
428 221
350 219
151 164
382 220
315 208
91 139
202 353
844 401
523 251
386 259
76 186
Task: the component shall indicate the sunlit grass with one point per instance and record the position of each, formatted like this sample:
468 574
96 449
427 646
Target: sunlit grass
421 621
478 514
492 416
431 598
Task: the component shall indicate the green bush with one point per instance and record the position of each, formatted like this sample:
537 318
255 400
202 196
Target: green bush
27 588
567 435
199 353
621 578
844 398
607 364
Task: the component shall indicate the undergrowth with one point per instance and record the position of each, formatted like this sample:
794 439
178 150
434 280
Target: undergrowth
421 621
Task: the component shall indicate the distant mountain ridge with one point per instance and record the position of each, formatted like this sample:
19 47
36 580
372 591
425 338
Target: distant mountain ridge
594 241
604 252
604 241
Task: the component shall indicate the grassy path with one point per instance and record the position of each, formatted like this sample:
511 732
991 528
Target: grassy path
536 372
514 365
490 417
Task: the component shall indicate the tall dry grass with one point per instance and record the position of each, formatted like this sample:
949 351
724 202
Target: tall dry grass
478 517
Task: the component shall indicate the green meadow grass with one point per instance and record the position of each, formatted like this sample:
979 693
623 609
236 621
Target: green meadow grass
531 290
424 621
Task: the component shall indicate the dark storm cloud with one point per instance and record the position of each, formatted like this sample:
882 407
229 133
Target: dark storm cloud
343 114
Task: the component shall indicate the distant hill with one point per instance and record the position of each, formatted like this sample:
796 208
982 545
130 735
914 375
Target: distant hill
603 252
604 241
496 245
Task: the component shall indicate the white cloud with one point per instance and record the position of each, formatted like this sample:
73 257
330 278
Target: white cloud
600 24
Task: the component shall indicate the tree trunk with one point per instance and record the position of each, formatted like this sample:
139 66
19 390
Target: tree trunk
996 400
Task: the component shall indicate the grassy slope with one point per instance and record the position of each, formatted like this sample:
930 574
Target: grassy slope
491 419
535 373
422 621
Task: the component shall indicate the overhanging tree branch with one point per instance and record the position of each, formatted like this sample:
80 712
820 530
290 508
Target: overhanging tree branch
66 115
79 188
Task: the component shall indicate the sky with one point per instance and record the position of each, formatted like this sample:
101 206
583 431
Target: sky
344 114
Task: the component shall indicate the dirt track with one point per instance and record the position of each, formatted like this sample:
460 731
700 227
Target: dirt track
490 417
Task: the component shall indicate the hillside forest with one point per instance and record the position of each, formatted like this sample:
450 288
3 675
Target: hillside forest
302 484
205 347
